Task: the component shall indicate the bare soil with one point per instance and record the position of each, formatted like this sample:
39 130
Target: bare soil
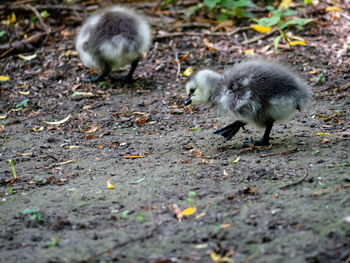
283 203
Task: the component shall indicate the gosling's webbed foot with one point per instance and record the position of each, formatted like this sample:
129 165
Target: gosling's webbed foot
94 78
230 130
122 79
260 142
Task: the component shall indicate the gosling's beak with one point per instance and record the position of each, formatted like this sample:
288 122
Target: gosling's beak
188 101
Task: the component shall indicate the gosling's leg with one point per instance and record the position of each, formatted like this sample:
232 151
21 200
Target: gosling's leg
230 130
128 78
264 140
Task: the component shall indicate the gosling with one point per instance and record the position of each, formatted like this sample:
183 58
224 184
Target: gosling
255 91
113 38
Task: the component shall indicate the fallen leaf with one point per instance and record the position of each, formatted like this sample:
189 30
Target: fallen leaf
100 146
58 122
294 43
223 226
200 215
177 212
227 174
141 120
35 129
284 4
324 141
260 28
332 9
198 152
322 133
73 147
249 52
188 72
217 258
132 156
2 117
25 154
29 57
24 92
109 185
342 187
237 159
186 56
90 130
91 136
189 211
21 86
200 246
4 78
253 191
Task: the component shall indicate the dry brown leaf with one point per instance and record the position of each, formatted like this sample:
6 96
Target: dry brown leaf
177 212
90 130
142 120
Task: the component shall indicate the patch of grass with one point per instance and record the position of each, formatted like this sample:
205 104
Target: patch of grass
54 242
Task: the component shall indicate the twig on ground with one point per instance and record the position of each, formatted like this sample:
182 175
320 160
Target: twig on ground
178 64
288 151
41 21
297 182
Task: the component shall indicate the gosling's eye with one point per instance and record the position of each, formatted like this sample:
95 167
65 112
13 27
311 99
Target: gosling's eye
192 91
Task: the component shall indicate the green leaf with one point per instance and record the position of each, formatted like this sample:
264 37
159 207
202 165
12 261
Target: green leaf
140 217
125 214
276 42
29 211
211 3
44 14
297 21
2 33
23 104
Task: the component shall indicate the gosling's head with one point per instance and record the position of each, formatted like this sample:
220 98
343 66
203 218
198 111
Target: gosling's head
201 87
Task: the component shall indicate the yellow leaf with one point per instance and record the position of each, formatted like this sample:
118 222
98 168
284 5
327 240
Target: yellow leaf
29 57
4 78
249 52
261 29
215 257
237 159
21 86
188 72
109 185
332 9
322 133
24 154
73 147
200 215
223 226
200 246
24 92
284 4
13 18
68 53
301 43
3 117
189 211
296 38
58 122
35 129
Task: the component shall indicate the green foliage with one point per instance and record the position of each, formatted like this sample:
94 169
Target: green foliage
191 195
140 217
13 169
23 104
33 19
320 79
231 8
44 14
124 214
2 33
34 215
279 16
54 242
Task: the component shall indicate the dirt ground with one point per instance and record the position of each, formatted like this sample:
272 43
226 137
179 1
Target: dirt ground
288 202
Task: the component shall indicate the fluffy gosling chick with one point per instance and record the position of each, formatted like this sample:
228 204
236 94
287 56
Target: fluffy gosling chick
255 91
112 38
